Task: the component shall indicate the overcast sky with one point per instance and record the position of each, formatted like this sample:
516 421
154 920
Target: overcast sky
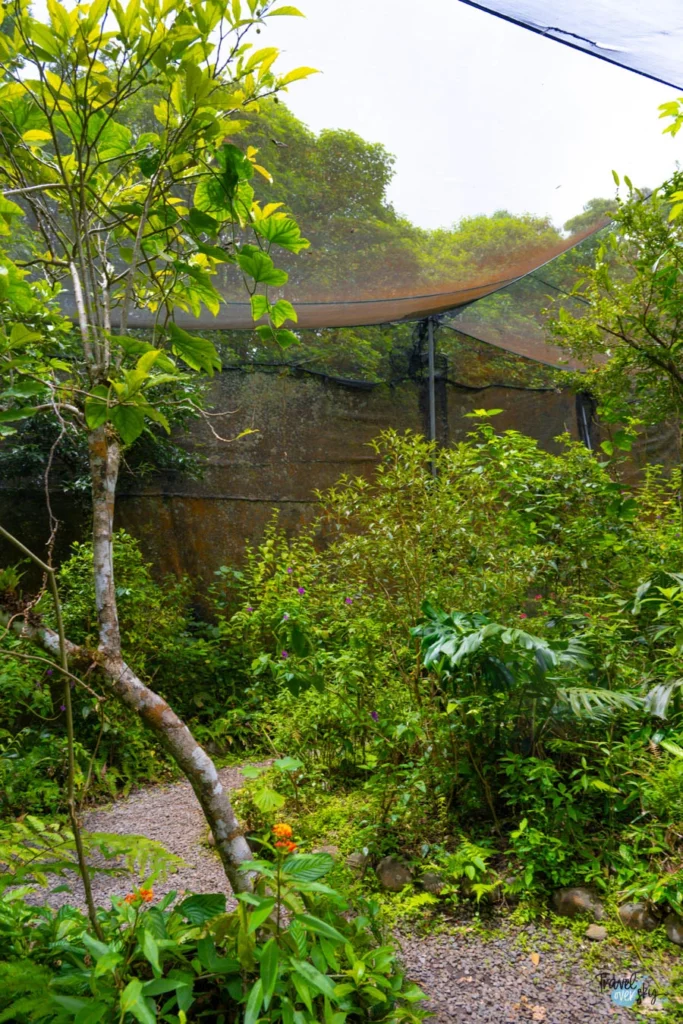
480 114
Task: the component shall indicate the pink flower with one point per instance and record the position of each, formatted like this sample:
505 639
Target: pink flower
284 654
539 597
348 600
523 615
301 590
290 570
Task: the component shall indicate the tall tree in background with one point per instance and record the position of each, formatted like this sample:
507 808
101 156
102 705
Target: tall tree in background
628 324
131 219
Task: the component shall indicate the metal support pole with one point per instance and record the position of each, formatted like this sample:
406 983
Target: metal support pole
432 393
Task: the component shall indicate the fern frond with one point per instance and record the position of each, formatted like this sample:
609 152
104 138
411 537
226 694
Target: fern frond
597 704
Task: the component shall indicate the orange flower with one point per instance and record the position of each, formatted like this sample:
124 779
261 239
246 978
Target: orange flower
141 896
283 831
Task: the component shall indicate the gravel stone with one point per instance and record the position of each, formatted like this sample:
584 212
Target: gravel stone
596 932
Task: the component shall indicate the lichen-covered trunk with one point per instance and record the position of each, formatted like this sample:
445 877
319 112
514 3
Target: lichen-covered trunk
169 729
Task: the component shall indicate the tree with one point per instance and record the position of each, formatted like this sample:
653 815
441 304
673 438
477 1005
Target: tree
131 216
628 321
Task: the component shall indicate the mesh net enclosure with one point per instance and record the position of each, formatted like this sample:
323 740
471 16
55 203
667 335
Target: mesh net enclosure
369 274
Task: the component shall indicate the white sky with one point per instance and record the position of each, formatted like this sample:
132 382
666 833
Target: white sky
480 114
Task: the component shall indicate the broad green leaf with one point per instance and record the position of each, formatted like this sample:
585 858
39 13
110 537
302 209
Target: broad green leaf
286 339
202 907
283 311
260 914
198 353
259 306
313 977
268 800
151 950
96 408
307 867
260 267
129 420
288 764
10 415
282 231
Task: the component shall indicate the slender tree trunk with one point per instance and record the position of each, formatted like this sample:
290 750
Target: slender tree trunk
169 729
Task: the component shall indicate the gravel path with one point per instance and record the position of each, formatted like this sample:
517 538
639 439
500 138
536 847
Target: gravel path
494 981
169 814
468 978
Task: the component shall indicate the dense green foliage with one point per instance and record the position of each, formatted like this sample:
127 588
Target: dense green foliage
627 324
194 958
530 719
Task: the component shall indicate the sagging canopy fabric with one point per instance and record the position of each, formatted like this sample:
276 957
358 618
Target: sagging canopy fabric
381 304
644 37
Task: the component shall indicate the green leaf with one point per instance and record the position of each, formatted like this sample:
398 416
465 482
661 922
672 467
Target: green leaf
288 764
269 970
295 76
259 306
307 867
129 420
260 914
202 907
286 338
260 267
293 11
268 800
319 927
147 361
201 221
671 747
151 950
133 1001
9 415
254 1003
282 231
313 977
96 408
198 353
282 311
